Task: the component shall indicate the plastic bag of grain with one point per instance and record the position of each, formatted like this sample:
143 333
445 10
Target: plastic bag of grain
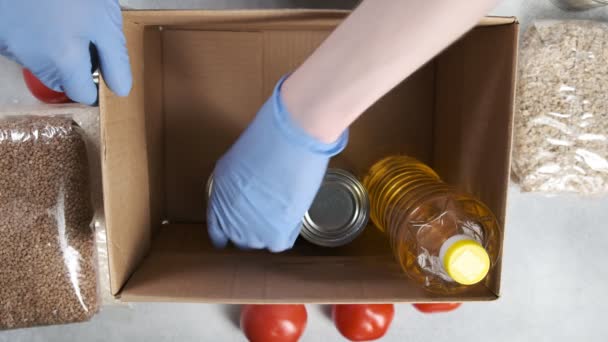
87 118
48 266
561 125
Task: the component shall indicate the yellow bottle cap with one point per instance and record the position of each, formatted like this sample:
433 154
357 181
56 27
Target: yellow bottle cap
466 261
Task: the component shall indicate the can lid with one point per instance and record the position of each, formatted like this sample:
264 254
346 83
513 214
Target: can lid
339 212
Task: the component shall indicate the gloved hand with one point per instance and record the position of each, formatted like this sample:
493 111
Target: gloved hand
51 38
266 182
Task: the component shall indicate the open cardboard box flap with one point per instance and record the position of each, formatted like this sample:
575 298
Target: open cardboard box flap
200 77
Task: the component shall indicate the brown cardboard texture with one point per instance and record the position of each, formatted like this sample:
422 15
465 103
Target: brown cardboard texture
199 79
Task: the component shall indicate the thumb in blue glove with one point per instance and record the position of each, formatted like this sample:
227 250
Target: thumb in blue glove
266 182
51 38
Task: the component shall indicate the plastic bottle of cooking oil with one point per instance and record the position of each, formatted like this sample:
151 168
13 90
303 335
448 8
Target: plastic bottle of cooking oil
443 239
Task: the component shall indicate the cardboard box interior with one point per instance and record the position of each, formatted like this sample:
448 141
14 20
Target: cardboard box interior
200 77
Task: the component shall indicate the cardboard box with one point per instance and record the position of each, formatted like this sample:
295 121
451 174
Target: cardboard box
199 79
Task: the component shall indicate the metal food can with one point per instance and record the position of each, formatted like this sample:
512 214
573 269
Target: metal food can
339 212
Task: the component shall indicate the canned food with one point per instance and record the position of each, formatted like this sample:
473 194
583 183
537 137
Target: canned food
339 212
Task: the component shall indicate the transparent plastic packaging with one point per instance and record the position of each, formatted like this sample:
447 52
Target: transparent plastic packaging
444 240
579 5
561 124
48 263
87 118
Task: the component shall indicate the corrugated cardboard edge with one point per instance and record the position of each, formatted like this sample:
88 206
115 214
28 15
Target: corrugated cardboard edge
267 17
320 16
515 74
493 281
127 213
494 21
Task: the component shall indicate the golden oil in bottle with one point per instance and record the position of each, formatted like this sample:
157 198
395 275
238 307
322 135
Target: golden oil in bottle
443 239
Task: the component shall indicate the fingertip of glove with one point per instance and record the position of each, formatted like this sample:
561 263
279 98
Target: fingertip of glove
116 67
85 94
286 244
216 235
123 88
278 249
121 78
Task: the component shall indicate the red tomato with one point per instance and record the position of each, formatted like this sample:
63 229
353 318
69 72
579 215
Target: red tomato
273 323
363 322
41 92
437 307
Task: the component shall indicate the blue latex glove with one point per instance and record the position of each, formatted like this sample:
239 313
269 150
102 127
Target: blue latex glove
51 38
267 181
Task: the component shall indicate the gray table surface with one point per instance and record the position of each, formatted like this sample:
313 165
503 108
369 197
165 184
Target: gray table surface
555 279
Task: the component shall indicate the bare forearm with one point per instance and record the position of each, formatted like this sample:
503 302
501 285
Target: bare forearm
381 43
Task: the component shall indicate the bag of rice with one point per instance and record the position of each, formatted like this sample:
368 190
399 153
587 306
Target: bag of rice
561 122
